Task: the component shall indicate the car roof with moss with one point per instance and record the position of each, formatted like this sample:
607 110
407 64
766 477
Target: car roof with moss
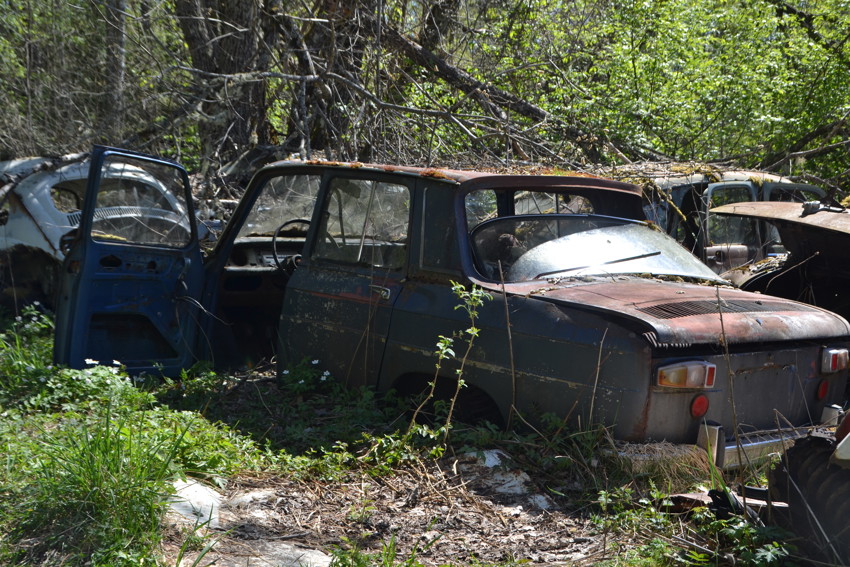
470 178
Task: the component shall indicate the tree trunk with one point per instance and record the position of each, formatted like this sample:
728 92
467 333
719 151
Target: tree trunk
224 39
437 23
116 69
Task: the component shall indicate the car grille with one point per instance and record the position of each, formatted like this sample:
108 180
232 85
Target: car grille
705 307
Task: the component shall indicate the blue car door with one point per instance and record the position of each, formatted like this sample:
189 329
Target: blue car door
133 274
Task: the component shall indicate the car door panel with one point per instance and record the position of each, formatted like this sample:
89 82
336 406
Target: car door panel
338 304
130 276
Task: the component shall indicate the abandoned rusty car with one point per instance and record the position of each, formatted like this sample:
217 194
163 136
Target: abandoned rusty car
808 246
596 316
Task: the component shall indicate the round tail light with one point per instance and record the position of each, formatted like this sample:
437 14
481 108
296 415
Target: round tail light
699 406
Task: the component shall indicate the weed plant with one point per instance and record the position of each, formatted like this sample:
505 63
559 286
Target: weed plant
89 457
655 536
26 348
352 556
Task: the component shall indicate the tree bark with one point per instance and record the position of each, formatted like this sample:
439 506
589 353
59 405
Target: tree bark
437 23
226 37
116 68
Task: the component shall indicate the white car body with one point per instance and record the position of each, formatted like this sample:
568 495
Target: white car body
40 202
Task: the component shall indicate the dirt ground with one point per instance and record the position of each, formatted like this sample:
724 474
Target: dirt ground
468 510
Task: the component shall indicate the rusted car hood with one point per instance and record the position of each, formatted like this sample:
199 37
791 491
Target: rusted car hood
681 314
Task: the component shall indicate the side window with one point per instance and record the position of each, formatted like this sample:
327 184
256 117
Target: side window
141 202
68 198
284 199
480 206
794 195
539 203
365 222
728 230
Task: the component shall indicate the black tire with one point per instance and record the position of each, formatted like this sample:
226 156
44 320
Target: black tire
473 404
818 496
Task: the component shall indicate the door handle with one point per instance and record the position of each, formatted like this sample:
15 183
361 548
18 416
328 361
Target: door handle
383 292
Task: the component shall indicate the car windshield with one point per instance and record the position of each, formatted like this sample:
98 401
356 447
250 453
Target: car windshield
525 248
285 201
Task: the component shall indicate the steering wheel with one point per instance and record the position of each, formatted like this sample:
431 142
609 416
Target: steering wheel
289 264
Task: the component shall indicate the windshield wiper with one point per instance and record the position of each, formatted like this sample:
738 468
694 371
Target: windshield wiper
618 260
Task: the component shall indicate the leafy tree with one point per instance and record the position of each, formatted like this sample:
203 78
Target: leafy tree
763 83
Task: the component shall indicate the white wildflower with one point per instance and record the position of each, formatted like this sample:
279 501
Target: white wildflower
315 362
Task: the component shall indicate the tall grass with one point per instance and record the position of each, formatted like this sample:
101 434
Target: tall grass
97 491
88 458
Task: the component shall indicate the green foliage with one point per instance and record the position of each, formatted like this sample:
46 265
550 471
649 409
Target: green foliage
620 509
306 378
88 457
644 519
304 411
750 80
30 382
754 546
96 491
26 347
59 64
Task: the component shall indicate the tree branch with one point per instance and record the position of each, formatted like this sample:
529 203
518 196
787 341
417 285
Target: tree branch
485 93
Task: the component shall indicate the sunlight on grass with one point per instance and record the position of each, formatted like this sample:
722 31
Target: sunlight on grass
89 456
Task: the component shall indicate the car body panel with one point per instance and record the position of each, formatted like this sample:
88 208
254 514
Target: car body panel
821 217
681 204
